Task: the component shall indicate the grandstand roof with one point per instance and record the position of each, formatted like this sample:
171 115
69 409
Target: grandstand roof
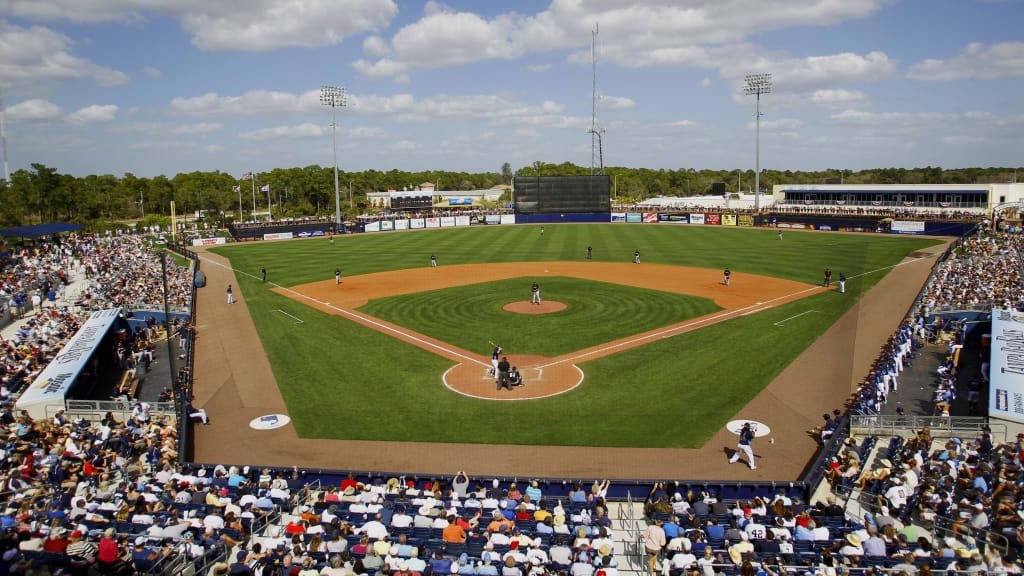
39 230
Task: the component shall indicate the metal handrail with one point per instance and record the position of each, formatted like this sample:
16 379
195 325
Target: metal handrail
905 425
942 526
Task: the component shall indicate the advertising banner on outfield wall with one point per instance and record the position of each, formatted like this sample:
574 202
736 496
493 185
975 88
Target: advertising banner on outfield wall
618 216
650 218
493 219
745 220
402 224
907 227
310 234
508 218
674 218
714 219
433 222
462 220
696 218
447 221
208 241
417 223
371 227
728 219
1006 383
278 236
387 225
634 217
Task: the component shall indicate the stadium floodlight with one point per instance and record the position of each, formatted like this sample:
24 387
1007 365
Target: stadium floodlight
334 96
757 84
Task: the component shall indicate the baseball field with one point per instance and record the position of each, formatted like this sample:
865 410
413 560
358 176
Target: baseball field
656 355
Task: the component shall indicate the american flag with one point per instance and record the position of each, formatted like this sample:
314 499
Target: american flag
236 189
247 176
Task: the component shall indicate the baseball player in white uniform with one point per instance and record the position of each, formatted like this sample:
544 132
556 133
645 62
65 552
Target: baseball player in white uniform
536 293
495 354
746 437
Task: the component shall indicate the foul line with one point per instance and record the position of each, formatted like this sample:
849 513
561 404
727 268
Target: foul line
297 320
676 330
382 327
444 378
781 322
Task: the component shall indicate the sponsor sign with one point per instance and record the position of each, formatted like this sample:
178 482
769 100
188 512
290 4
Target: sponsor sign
794 225
825 227
696 218
618 216
508 218
269 422
447 221
402 224
387 225
278 236
459 201
674 218
634 217
311 234
53 383
650 218
462 220
907 227
728 219
493 219
208 241
714 219
433 222
745 220
371 227
1006 383
416 223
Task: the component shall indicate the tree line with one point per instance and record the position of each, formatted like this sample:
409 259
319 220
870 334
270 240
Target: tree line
43 194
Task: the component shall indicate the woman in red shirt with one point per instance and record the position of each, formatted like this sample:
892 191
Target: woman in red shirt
108 549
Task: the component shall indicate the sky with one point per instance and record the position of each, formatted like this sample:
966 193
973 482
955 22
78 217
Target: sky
160 87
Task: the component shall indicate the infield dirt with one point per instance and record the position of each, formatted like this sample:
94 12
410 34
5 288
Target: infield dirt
235 384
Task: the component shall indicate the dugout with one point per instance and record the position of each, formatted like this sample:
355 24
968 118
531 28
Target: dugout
562 195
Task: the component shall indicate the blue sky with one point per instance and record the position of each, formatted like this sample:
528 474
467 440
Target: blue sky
158 87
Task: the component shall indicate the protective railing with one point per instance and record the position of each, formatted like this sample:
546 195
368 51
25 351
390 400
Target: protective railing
942 427
985 540
121 409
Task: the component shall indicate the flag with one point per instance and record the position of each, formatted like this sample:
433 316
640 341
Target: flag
236 189
265 188
247 176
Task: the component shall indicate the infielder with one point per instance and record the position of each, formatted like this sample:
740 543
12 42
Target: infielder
636 256
590 252
263 271
494 358
536 293
728 274
231 297
780 234
433 261
746 437
842 283
337 276
541 230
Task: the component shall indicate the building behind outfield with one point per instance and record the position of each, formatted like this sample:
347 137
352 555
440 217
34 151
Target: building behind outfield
973 197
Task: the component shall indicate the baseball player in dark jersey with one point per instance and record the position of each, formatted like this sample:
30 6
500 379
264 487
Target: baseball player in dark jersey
828 277
590 252
433 261
495 354
746 438
728 274
842 283
263 271
337 275
636 256
536 293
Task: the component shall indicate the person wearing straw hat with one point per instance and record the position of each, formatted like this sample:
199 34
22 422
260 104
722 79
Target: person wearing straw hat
852 547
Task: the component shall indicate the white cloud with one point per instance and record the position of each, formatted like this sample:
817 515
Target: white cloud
225 25
152 72
616 102
304 131
643 32
405 145
168 128
783 124
367 132
375 46
33 111
95 114
682 123
252 103
839 98
805 75
538 67
37 54
976 62
706 82
213 148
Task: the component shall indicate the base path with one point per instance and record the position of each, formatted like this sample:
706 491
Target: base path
544 377
234 383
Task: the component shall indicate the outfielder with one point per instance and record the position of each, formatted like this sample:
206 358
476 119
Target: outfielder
636 256
746 437
780 234
536 293
263 272
494 358
590 252
433 261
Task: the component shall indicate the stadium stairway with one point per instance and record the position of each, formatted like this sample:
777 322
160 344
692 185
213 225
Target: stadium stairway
627 533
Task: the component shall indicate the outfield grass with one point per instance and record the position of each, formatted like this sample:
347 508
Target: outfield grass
470 316
343 380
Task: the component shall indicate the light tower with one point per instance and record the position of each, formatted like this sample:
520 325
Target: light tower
757 84
334 96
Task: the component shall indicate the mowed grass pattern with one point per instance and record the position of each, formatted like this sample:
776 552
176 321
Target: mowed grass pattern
470 316
343 380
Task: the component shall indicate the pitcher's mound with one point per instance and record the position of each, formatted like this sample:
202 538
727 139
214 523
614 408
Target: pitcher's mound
525 307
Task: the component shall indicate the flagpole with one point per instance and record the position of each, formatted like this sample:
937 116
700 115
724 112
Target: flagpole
241 215
252 178
269 213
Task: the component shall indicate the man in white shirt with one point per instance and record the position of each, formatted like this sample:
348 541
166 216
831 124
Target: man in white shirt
373 528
